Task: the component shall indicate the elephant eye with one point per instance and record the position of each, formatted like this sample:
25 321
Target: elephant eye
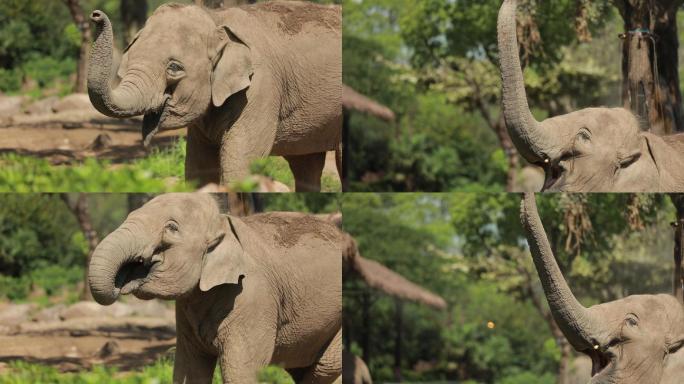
172 226
174 69
631 321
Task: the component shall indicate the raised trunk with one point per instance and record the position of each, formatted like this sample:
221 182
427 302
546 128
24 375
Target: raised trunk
525 131
123 101
117 249
574 320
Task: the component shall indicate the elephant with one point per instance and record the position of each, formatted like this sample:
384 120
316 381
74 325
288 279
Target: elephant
637 339
590 150
354 370
249 291
248 82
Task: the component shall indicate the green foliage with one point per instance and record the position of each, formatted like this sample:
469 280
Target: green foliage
161 372
275 168
301 202
35 231
278 169
52 280
470 249
160 171
274 375
435 64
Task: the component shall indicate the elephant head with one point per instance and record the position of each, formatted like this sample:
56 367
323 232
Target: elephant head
637 339
173 70
167 249
594 149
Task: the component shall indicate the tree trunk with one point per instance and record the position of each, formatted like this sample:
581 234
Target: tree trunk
80 209
83 26
650 62
137 200
241 204
133 16
365 332
678 283
398 327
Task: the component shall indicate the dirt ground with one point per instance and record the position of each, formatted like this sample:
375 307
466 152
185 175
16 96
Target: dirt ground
82 335
71 140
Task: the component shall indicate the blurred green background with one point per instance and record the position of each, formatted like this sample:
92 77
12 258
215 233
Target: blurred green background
470 249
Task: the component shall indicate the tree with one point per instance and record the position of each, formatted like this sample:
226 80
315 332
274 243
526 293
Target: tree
650 63
79 208
133 16
83 26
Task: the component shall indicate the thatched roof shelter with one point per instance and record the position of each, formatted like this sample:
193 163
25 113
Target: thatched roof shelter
354 101
379 277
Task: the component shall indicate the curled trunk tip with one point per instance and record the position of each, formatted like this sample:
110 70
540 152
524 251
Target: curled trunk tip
117 102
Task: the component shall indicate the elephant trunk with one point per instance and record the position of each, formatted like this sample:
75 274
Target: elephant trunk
116 250
526 133
124 100
576 322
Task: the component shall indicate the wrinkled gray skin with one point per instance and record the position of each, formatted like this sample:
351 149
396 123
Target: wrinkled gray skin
591 150
247 82
637 339
354 370
249 291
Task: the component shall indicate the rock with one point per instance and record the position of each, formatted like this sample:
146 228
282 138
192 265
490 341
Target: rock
73 102
266 184
82 309
101 142
213 188
15 314
72 352
151 308
118 309
109 348
50 313
41 107
10 105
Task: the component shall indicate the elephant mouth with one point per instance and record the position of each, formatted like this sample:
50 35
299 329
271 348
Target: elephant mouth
133 274
153 120
600 361
554 174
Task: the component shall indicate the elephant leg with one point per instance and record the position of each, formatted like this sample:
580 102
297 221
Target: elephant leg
307 171
328 368
201 160
191 364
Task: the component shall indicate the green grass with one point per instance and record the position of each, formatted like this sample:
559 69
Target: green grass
160 372
56 282
161 171
277 168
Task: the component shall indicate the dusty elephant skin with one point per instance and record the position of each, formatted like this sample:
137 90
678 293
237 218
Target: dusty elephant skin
248 82
249 291
591 150
637 339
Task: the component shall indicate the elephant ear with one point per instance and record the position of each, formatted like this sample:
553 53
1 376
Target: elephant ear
232 66
224 260
123 64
